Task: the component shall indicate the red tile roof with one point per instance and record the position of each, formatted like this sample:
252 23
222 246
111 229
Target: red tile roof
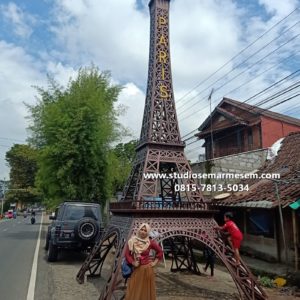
262 192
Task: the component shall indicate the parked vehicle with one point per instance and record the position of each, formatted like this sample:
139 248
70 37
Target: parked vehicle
9 214
76 225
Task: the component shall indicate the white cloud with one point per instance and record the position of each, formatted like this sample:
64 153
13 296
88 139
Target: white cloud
60 72
134 100
111 34
22 22
19 73
114 35
278 7
203 35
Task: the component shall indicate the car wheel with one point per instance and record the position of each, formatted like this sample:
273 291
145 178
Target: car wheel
52 252
87 229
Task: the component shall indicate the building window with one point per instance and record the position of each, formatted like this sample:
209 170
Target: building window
260 222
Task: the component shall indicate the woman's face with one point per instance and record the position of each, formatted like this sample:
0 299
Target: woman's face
143 232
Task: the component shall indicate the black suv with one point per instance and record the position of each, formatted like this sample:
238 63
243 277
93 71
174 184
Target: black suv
76 225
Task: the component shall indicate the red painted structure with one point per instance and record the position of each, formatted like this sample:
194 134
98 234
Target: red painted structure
273 129
239 127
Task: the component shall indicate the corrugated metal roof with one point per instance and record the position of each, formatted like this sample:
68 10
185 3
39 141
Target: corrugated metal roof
257 204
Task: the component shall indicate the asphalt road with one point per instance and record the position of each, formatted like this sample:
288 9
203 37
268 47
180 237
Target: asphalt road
18 238
54 281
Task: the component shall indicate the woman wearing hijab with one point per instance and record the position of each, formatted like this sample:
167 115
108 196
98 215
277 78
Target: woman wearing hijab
141 284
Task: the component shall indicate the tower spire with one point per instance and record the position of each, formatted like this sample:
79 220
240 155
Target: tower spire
160 125
160 149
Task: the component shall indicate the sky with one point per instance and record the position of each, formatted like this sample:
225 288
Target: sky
237 47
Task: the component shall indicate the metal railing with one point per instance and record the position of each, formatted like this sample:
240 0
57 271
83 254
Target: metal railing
153 205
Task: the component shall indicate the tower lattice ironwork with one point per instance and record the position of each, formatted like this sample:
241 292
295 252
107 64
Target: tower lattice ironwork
151 195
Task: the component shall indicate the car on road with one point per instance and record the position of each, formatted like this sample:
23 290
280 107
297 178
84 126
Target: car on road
9 214
75 225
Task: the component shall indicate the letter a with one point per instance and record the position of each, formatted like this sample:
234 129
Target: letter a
162 41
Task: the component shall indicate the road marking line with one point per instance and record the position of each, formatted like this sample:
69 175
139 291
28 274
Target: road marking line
31 288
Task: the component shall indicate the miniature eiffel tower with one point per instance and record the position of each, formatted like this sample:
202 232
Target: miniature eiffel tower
178 214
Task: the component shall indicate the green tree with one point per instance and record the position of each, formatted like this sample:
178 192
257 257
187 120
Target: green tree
74 127
122 156
22 160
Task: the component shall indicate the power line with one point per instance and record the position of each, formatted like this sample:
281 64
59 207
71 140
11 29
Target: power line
268 99
191 150
291 75
189 133
243 50
258 75
193 142
247 82
242 72
243 62
278 94
293 109
283 101
241 129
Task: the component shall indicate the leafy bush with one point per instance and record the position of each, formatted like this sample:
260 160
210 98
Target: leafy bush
266 281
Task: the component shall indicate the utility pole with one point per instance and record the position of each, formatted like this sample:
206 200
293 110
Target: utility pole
2 197
2 200
281 221
211 130
277 193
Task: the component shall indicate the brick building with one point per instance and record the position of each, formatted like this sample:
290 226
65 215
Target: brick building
238 127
